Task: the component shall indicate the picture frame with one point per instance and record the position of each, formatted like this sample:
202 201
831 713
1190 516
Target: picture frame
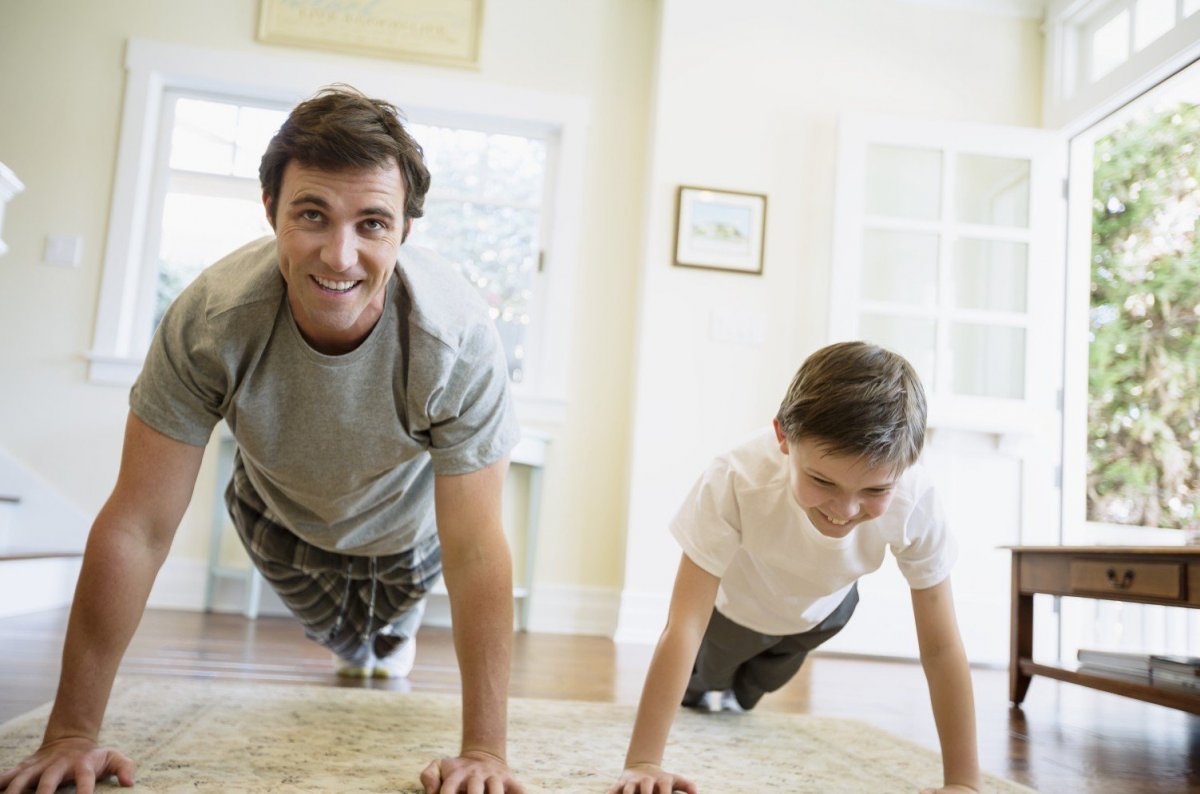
720 229
440 32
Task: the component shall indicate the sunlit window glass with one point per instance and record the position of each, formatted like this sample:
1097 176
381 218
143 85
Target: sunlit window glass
1144 324
1110 45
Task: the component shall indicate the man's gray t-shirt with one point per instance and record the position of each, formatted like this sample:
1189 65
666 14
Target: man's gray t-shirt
342 449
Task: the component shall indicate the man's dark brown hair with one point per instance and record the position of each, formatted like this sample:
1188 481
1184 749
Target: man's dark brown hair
340 129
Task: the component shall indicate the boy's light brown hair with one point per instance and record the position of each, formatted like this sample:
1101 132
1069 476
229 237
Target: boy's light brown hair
855 398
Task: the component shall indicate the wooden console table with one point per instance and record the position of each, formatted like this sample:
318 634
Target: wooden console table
1163 575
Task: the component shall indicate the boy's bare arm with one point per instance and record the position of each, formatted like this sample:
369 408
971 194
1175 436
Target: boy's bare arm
691 607
127 544
950 693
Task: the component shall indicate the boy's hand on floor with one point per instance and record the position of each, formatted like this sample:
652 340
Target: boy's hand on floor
63 761
956 788
650 779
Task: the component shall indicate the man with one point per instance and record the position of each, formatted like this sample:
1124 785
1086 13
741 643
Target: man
367 391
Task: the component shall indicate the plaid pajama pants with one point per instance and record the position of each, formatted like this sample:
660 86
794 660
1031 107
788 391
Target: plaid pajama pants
342 600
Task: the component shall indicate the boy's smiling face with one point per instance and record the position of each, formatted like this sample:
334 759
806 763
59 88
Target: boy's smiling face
837 492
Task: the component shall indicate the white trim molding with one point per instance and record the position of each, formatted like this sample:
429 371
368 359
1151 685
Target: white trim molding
36 585
642 618
9 187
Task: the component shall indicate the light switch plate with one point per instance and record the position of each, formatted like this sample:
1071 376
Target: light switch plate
63 250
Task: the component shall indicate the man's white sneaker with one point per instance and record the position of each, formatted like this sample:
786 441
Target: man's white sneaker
398 663
360 666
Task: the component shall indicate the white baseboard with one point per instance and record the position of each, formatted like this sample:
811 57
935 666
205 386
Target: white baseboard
561 609
36 585
642 617
554 609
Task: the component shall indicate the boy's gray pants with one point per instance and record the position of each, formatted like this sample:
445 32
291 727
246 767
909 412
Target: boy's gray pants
751 664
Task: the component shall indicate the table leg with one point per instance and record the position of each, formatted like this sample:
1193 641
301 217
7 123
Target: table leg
1021 638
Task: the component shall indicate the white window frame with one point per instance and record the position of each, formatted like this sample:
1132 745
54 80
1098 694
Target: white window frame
153 68
1072 102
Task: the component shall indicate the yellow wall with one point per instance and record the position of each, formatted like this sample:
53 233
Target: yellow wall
60 103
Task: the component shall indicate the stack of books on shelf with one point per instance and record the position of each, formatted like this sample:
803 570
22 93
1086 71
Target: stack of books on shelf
1115 664
1176 671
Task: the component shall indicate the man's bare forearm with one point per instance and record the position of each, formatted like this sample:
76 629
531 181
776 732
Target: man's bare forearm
114 583
482 612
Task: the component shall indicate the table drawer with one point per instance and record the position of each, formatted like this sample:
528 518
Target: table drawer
1146 579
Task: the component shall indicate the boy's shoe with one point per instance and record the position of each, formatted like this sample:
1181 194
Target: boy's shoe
729 702
744 701
705 701
398 663
358 666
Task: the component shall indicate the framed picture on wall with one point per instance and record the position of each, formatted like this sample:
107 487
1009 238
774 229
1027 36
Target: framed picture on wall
444 32
720 229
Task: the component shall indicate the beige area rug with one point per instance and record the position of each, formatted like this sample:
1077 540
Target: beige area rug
235 738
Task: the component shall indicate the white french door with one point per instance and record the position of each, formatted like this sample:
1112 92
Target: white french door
948 249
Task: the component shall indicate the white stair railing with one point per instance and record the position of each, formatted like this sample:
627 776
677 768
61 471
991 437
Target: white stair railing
9 187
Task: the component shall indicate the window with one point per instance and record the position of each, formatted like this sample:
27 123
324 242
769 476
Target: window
211 200
1098 50
1132 456
483 212
504 164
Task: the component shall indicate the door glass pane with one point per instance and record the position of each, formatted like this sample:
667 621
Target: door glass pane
1151 19
990 274
915 338
987 360
900 267
1110 45
903 182
992 190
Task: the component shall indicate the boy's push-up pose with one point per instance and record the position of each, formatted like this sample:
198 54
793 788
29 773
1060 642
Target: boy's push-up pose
775 535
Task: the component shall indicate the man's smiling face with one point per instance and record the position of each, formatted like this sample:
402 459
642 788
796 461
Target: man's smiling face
338 233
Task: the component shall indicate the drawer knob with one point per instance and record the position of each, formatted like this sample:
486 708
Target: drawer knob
1123 582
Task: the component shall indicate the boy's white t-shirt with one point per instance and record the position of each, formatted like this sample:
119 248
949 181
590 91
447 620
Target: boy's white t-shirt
779 575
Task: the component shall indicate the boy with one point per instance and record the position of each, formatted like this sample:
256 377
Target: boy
775 535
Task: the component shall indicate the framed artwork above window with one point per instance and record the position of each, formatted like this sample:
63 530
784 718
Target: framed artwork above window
720 229
443 32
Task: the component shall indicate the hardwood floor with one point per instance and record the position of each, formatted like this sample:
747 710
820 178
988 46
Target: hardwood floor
1065 739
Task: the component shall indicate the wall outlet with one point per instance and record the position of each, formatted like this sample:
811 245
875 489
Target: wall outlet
63 250
738 327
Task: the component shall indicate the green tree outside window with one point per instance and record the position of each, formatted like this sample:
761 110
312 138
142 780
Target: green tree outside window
1144 351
